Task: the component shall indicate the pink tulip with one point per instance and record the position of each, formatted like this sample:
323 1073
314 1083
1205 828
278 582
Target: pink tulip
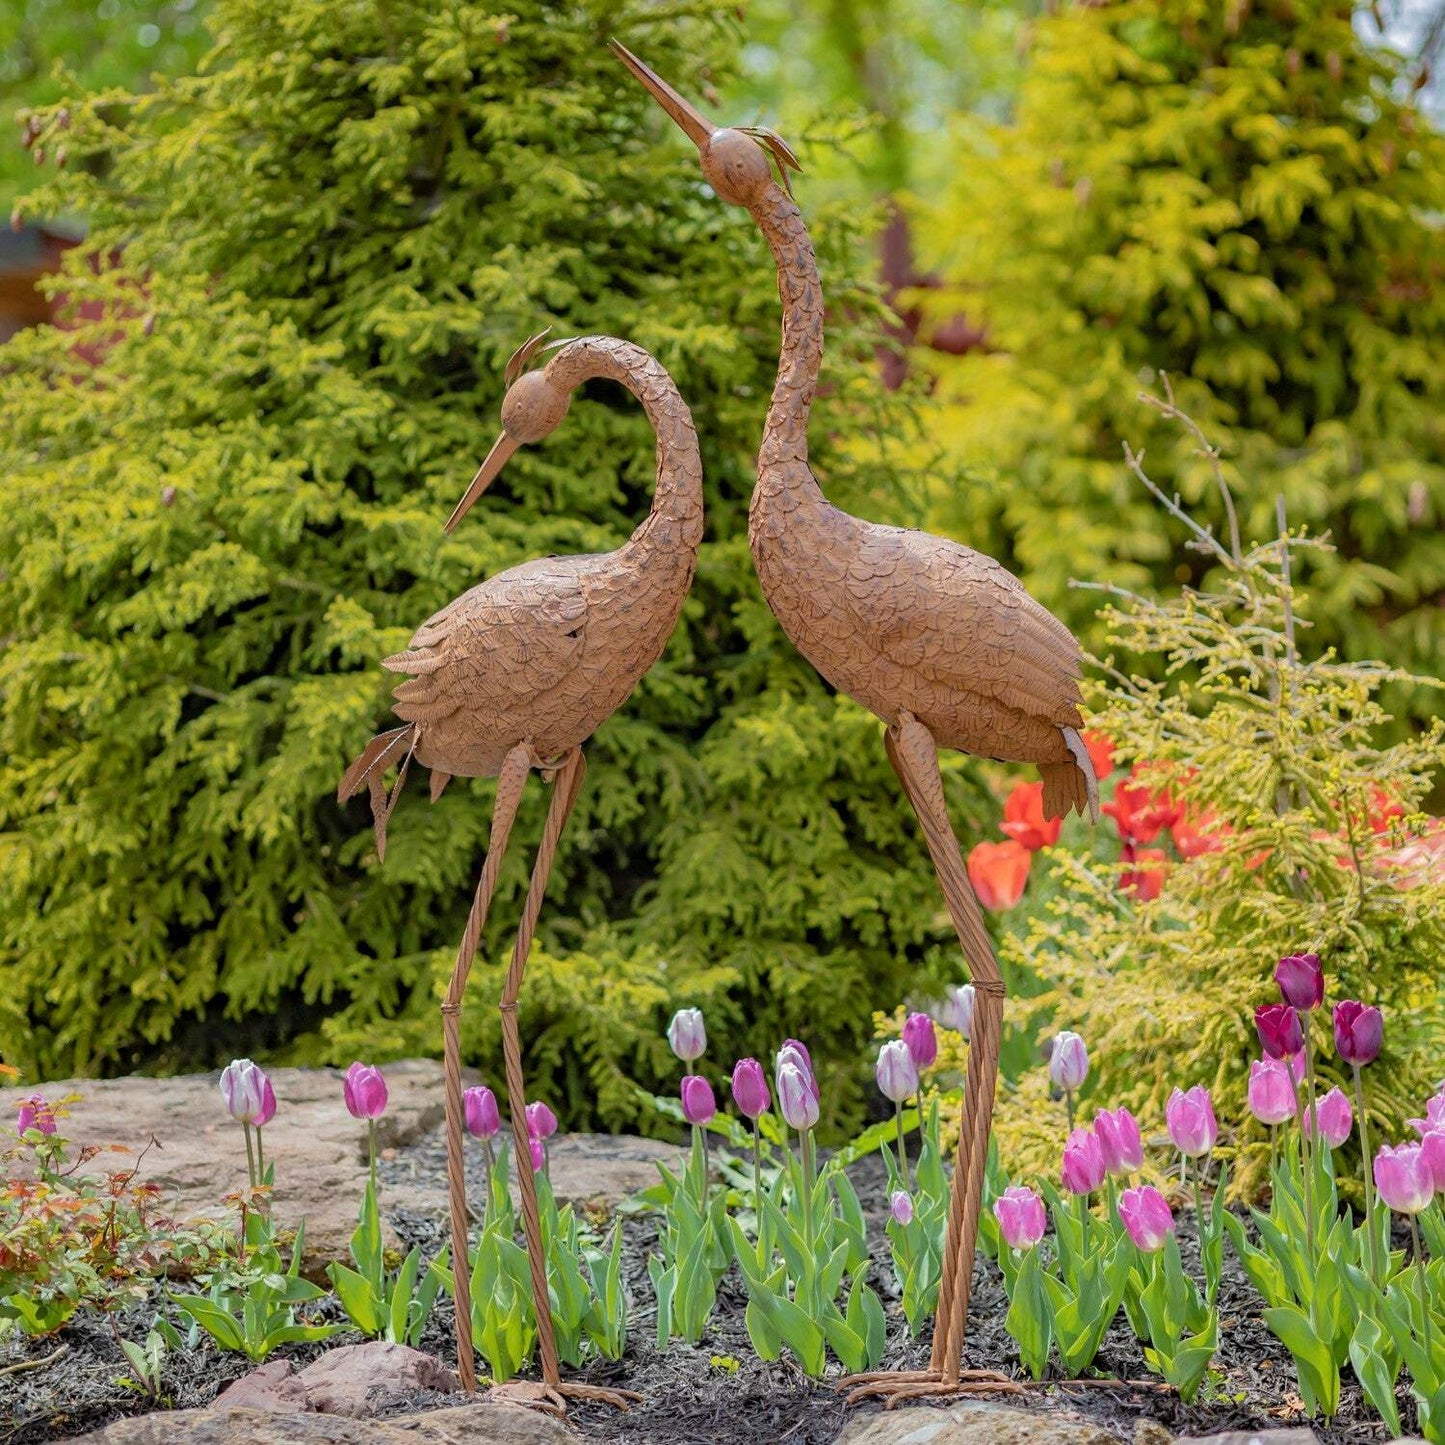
1279 1030
698 1103
1404 1178
35 1113
1434 1115
957 1010
247 1093
900 1206
541 1121
1020 1215
797 1096
1271 1092
896 1073
794 1053
479 1105
1335 1117
750 1088
365 1092
1120 1141
538 1154
1359 1031
922 1042
1432 1150
1068 1061
1147 1217
1191 1122
1301 980
686 1035
1083 1170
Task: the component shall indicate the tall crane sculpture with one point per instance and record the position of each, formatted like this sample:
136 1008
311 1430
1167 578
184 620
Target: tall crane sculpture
942 643
517 674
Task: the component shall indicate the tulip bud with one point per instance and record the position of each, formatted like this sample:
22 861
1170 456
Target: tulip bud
1271 1092
1301 980
797 1096
698 1103
479 1104
1083 1170
1278 1026
922 1042
896 1072
1335 1119
1432 1151
365 1092
247 1093
750 1088
956 1012
900 1206
1191 1122
35 1113
1404 1178
541 1121
798 1053
1068 1061
1119 1140
686 1035
538 1154
1147 1217
1020 1215
1359 1032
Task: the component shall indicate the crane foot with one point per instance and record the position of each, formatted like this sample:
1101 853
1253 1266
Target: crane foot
551 1399
895 1387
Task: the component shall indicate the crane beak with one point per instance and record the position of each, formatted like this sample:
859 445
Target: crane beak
696 126
497 458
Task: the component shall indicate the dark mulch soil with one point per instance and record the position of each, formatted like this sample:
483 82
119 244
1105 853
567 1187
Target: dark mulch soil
718 1393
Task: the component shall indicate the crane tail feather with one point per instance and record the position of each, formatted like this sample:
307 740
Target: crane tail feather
1072 785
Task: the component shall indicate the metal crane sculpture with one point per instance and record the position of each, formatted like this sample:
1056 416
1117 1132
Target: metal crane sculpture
942 643
517 674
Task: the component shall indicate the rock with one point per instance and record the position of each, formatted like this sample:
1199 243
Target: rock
271 1386
356 1380
482 1423
1299 1435
972 1422
1151 1432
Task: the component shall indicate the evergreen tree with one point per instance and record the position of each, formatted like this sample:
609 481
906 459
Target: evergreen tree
313 259
1244 197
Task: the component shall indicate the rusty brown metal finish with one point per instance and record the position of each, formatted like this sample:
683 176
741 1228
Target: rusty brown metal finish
941 642
516 675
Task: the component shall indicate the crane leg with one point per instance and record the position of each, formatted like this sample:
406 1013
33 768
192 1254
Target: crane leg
553 1392
510 782
914 756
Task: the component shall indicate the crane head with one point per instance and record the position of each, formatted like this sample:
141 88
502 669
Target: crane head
533 406
737 161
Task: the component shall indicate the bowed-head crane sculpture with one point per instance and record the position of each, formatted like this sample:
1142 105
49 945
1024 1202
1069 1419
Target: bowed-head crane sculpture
517 674
942 643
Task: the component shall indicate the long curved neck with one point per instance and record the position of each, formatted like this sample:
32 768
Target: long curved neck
785 435
675 520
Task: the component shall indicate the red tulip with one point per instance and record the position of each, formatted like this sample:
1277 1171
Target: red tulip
1145 883
1383 810
1101 753
1199 834
998 872
1141 812
1024 821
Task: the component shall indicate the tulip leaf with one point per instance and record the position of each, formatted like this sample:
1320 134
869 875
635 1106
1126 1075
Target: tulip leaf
1377 1366
1030 1315
357 1298
1319 1378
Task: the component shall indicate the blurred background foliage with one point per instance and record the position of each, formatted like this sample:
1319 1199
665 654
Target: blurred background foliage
315 233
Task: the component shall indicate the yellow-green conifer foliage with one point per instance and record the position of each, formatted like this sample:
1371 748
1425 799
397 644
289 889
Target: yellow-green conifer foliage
1241 196
314 257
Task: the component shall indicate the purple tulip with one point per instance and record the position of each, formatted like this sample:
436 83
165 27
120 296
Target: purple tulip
686 1035
1335 1117
35 1113
1278 1026
698 1103
922 1042
896 1073
900 1206
365 1092
1404 1178
1020 1215
1191 1122
1083 1170
1434 1115
1068 1061
1359 1032
541 1122
1432 1150
1120 1141
1271 1092
1301 980
750 1088
247 1092
797 1096
956 1011
1147 1217
479 1104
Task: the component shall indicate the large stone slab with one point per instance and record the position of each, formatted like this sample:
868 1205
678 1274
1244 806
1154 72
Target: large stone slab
1297 1435
355 1380
972 1422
